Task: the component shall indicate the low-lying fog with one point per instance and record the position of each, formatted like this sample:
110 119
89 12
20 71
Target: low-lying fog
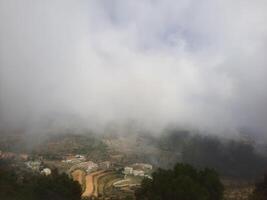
89 64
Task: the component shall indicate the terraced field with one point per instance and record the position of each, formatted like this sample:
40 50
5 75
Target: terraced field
100 183
105 182
96 182
90 186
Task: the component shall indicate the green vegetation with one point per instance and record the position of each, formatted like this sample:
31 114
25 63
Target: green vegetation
230 158
69 143
58 145
182 183
19 185
105 182
52 147
14 143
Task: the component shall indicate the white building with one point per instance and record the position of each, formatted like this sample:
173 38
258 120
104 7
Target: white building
80 157
46 171
34 165
138 173
143 166
128 170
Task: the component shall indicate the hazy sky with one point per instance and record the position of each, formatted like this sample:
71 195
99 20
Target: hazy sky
201 63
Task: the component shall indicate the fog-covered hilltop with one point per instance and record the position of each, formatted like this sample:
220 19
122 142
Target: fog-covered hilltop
238 157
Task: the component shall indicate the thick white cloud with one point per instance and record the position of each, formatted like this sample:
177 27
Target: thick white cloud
195 63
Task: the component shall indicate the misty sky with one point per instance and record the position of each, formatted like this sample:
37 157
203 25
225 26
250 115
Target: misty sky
197 63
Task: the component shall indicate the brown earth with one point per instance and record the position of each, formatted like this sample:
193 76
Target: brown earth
89 180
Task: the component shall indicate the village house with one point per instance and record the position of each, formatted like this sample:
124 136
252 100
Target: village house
137 169
142 166
34 165
128 170
46 171
80 157
138 173
74 159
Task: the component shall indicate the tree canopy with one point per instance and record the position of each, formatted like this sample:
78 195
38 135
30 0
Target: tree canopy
18 185
182 183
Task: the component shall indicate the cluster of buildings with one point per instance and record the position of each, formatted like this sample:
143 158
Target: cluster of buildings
143 166
37 166
88 166
74 159
46 171
34 165
131 171
79 162
138 169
